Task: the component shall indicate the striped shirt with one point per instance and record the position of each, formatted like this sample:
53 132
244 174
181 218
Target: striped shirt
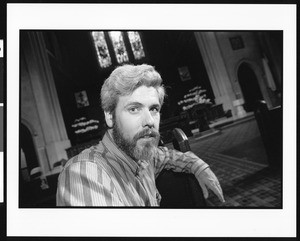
103 175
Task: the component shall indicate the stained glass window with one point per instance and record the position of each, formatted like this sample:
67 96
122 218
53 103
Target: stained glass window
101 48
136 44
119 46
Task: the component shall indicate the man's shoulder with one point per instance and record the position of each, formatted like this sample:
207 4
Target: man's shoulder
94 154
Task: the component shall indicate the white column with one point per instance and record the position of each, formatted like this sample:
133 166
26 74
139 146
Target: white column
46 99
216 69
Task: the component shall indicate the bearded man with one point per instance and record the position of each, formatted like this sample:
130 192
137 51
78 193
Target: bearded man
121 170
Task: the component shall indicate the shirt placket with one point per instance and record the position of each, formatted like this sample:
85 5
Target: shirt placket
145 178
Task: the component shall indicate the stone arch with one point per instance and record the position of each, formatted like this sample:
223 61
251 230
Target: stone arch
38 141
28 148
29 126
249 78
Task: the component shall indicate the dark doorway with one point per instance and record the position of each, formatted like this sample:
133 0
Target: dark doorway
26 143
249 86
26 186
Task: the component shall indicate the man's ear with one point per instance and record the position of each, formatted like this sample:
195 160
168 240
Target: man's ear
109 119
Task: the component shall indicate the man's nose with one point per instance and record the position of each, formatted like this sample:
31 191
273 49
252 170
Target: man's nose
148 119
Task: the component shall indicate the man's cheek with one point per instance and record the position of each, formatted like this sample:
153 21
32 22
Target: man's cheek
157 122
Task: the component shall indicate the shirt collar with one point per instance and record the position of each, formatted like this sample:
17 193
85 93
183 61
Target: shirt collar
135 167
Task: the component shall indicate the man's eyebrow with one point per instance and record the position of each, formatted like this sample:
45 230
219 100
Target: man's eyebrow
138 104
133 104
155 105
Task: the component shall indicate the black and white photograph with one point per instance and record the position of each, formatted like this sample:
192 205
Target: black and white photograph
130 120
229 114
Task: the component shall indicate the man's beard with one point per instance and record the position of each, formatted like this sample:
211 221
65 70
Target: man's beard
143 151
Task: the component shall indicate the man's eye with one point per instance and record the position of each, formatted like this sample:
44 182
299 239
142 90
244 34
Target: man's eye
133 109
155 110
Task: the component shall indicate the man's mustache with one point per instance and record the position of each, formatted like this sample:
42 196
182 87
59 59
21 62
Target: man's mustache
147 132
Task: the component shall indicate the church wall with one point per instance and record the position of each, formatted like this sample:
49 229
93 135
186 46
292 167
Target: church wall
40 109
252 54
29 116
249 53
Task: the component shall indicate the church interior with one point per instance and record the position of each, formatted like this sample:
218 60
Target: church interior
224 91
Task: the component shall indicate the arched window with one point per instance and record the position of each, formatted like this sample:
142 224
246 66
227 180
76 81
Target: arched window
118 40
119 46
101 49
136 44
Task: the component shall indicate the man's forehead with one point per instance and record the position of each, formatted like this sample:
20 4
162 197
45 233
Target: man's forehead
142 94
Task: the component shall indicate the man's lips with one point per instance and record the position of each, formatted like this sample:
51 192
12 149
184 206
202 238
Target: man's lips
147 136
